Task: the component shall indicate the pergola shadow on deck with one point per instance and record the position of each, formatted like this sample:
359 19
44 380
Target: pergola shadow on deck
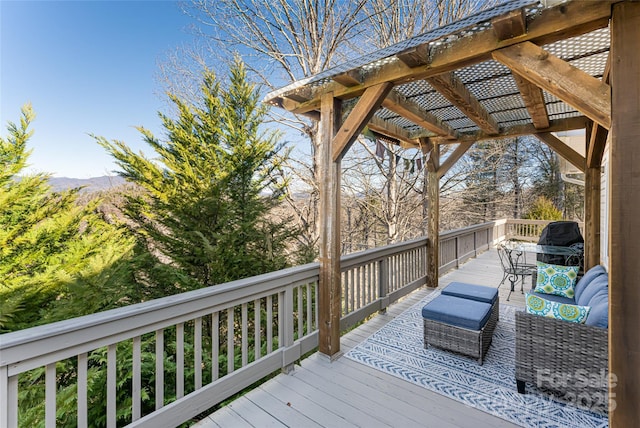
345 393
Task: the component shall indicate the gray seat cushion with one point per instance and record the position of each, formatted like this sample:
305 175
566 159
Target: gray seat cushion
588 277
599 283
599 314
465 313
464 290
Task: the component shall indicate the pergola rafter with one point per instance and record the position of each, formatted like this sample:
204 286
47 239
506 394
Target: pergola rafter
586 93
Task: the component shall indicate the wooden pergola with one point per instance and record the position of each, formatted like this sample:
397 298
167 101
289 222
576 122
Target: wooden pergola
521 68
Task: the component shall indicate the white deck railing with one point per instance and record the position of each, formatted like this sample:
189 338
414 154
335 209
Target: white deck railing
152 362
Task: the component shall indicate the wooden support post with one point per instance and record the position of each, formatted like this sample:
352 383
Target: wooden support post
592 217
624 269
433 218
330 289
592 195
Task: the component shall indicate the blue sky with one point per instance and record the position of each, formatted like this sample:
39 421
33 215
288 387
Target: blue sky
87 67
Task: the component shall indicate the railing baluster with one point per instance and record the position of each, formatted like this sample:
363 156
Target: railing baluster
4 392
359 282
257 326
370 297
315 287
180 360
403 269
111 385
137 379
159 369
269 324
281 320
394 274
383 283
345 282
245 335
50 395
230 342
197 352
8 389
309 309
352 292
82 390
300 313
215 346
397 272
285 320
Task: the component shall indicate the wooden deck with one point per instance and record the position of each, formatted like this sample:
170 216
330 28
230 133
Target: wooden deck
344 393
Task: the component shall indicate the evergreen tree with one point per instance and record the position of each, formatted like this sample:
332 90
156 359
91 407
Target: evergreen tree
204 217
58 259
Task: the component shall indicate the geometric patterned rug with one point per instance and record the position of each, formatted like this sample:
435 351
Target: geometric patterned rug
397 349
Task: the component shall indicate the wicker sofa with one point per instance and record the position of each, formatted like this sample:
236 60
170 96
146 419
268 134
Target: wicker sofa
563 356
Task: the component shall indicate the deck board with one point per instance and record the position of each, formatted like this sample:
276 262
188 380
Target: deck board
344 393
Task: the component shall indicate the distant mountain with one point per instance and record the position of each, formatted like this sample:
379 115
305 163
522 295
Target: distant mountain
89 185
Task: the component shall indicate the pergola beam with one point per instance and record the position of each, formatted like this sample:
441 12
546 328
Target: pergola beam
584 92
596 144
559 146
534 101
453 158
598 135
410 110
568 124
348 79
510 25
415 57
392 130
358 118
592 195
452 88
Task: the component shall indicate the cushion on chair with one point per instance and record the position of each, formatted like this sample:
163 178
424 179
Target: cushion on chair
597 284
556 279
475 292
465 313
562 311
589 276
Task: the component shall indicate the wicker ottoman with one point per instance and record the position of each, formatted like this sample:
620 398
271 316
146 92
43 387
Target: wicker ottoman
459 325
479 293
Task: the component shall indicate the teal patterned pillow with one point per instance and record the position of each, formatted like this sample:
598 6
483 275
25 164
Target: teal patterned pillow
555 279
562 311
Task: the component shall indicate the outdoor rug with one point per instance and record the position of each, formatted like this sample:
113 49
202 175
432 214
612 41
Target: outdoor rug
397 349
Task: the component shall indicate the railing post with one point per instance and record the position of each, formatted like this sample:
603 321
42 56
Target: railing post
383 284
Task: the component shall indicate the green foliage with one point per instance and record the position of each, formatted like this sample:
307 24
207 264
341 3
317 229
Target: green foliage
57 259
204 218
543 209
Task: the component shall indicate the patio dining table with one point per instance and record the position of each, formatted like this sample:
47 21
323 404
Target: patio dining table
518 250
556 250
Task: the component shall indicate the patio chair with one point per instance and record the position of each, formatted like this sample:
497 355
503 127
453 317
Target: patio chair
513 267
